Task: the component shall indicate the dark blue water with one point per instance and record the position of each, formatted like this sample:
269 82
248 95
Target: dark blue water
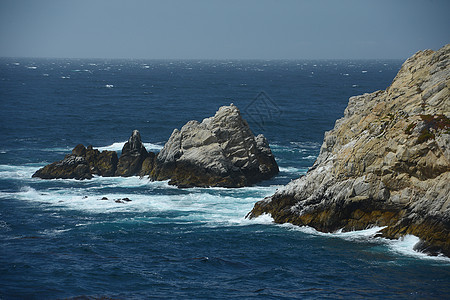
59 240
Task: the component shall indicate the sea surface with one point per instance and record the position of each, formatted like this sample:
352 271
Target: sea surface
59 240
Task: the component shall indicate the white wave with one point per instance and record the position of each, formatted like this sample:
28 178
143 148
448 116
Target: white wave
293 170
109 86
32 68
18 172
403 246
364 71
213 208
119 145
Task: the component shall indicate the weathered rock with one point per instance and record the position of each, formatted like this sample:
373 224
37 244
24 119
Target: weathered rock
385 163
81 164
101 163
72 166
132 157
219 151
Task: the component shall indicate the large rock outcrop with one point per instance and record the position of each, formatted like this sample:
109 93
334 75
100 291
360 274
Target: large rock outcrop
385 163
219 151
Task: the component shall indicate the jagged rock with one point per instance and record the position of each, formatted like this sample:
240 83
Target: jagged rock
133 156
81 164
219 151
101 163
72 166
385 163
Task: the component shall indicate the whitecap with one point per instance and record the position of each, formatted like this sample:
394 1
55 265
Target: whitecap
364 71
109 86
18 172
403 246
293 170
32 68
119 145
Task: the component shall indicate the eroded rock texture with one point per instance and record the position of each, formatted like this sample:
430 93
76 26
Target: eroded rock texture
219 151
385 163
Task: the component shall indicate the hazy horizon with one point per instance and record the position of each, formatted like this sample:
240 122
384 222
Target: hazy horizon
214 30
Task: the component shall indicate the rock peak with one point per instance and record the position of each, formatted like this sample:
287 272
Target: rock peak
219 151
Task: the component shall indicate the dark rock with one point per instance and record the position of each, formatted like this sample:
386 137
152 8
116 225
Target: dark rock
81 164
102 163
133 156
71 167
104 198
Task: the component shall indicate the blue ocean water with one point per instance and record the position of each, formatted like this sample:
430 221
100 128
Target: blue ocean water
59 240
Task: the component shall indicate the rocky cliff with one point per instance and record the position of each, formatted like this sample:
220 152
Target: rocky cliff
386 162
219 151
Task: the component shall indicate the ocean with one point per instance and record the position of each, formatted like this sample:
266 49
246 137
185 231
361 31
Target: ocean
58 239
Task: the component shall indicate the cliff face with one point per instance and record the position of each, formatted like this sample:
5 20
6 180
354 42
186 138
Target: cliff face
385 163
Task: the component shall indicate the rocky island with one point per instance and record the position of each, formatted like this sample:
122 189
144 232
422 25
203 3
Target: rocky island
220 151
386 163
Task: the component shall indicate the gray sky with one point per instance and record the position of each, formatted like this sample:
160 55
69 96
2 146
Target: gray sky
212 29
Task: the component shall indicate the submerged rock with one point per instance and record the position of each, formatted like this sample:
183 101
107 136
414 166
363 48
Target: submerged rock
385 163
219 151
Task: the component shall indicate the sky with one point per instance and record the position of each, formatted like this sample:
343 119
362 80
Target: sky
232 29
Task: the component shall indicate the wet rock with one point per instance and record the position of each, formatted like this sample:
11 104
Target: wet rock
82 163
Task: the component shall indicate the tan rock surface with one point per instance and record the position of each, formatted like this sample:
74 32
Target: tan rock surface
385 163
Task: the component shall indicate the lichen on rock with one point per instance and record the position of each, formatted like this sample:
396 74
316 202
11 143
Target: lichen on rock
385 163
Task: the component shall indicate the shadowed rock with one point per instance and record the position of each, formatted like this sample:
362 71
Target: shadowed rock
132 157
82 163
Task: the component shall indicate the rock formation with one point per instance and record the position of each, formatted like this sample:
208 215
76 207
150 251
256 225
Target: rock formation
82 163
131 161
219 151
386 162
